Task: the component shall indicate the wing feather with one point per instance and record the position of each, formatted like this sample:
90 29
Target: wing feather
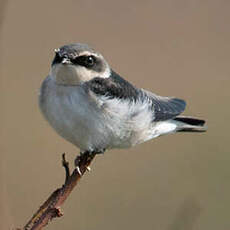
165 108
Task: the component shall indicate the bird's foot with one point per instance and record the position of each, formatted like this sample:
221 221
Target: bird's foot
78 170
83 158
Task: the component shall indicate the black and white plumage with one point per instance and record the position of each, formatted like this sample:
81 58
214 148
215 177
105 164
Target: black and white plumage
94 108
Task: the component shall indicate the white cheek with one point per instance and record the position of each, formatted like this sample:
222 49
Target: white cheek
84 74
106 73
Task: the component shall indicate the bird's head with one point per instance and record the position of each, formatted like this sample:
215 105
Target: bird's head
77 63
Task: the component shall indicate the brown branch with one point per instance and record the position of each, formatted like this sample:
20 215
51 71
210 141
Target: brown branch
65 164
51 207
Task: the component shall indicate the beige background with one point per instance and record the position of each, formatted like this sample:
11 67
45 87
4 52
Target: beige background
174 48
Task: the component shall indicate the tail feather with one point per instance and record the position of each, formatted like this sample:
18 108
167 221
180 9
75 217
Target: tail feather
190 124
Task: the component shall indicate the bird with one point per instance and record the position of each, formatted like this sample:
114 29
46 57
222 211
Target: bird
94 108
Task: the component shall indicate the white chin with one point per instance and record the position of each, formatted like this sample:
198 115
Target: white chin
65 74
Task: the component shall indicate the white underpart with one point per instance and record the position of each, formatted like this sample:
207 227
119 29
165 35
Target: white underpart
91 122
128 121
163 127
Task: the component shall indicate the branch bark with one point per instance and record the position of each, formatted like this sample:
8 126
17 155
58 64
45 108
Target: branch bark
51 207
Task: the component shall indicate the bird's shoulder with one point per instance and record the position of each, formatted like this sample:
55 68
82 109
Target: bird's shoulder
113 87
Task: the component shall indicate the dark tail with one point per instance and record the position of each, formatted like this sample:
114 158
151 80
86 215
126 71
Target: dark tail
190 124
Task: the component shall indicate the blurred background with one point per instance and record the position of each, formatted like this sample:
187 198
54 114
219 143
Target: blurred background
173 48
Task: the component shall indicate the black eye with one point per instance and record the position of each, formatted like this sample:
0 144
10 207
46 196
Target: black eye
90 61
87 61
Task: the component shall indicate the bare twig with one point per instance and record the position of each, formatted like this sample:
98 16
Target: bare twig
65 164
51 207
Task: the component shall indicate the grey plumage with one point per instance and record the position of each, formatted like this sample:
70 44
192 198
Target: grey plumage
94 108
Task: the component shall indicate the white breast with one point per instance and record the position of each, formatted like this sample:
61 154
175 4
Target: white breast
93 123
70 112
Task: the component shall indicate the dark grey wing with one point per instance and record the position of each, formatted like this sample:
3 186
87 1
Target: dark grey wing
113 87
165 108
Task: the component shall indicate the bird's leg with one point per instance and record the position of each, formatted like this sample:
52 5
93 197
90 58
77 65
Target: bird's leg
84 157
82 160
79 158
92 153
77 162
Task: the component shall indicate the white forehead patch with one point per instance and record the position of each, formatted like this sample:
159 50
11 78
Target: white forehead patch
88 53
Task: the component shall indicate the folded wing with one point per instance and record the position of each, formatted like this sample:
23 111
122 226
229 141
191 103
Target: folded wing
165 108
